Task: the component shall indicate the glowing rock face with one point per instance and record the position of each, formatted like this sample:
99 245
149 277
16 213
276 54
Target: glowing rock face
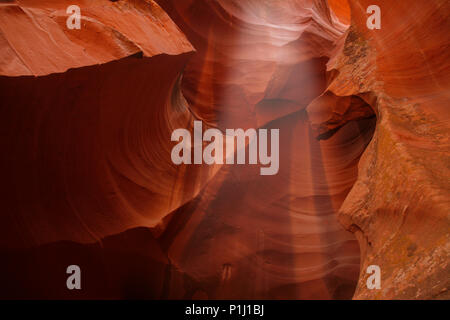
260 64
398 208
88 148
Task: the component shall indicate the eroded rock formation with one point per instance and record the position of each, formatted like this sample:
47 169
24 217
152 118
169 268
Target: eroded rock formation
399 206
87 117
88 152
260 64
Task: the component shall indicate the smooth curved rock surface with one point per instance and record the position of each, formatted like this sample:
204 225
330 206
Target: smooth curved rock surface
87 117
256 61
261 64
88 149
399 205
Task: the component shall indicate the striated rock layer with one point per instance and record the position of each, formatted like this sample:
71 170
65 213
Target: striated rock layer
87 117
259 64
398 207
88 151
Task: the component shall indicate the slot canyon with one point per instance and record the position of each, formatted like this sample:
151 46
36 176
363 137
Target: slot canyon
364 153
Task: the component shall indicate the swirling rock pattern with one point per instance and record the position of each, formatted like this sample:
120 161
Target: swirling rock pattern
261 63
86 122
88 147
398 207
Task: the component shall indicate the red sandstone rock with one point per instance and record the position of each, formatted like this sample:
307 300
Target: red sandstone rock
86 122
260 64
256 61
398 207
88 149
36 41
341 9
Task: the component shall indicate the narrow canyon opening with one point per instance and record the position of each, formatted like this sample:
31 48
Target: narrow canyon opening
91 93
92 180
269 237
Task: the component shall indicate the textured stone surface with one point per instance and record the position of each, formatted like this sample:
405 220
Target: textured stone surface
399 206
87 176
36 40
88 152
261 63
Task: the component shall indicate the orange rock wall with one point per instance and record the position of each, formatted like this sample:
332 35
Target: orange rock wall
86 122
398 207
